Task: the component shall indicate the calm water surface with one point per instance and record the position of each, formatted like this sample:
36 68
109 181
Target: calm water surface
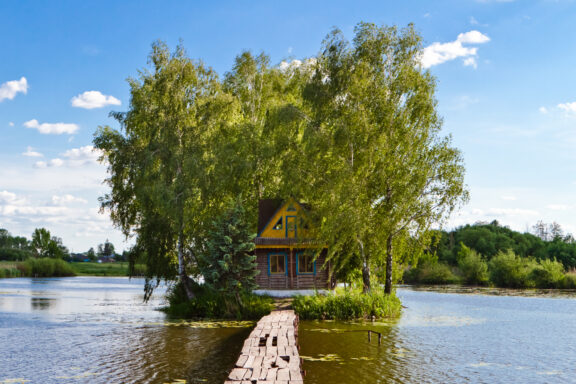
450 338
98 330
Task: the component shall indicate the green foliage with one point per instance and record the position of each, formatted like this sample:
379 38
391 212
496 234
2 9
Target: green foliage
228 263
347 305
211 304
548 274
45 245
509 270
473 267
431 273
46 267
9 270
106 269
377 170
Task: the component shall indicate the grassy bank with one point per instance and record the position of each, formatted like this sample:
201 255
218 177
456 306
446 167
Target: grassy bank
47 267
209 304
347 304
44 267
105 269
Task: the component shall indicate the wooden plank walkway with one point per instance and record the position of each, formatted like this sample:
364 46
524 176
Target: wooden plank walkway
270 354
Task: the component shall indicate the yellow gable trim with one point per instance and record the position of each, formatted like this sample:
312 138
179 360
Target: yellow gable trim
283 212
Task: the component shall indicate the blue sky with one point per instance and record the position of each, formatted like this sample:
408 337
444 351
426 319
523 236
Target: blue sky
505 72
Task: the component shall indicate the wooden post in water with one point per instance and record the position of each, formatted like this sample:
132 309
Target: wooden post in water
270 354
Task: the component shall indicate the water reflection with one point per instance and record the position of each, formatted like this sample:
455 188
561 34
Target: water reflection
98 330
41 303
450 338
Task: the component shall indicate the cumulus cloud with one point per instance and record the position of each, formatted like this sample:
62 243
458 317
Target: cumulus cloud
543 110
30 152
7 197
53 163
52 128
93 99
66 199
297 64
82 156
438 53
10 89
75 157
568 107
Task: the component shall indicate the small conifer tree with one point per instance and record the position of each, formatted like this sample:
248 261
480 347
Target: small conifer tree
228 263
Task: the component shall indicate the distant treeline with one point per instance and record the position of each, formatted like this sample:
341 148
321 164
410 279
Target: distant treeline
546 242
44 245
491 254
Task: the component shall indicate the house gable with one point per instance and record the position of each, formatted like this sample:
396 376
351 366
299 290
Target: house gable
286 222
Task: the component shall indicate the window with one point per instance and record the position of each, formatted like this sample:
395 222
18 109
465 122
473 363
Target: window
278 224
277 263
306 263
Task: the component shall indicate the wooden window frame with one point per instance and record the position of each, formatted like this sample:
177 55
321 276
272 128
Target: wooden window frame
276 254
302 253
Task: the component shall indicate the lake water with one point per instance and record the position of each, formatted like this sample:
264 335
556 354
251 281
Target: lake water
97 330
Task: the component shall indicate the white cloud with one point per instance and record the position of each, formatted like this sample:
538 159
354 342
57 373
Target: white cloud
52 128
53 163
543 110
82 156
30 152
558 207
470 62
75 157
472 37
11 123
10 198
10 89
438 53
511 212
67 199
93 99
56 163
568 107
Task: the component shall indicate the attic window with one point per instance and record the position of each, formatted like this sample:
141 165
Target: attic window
278 224
291 208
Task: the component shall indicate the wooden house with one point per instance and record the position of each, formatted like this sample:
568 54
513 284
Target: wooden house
285 257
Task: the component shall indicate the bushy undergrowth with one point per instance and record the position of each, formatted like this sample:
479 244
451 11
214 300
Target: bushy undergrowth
347 304
431 273
46 267
473 268
506 270
9 270
210 304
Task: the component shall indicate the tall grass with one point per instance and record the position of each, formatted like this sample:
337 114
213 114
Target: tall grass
46 267
210 304
9 270
348 304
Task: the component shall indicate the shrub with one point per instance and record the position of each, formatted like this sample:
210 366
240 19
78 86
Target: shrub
211 304
509 270
47 267
548 274
569 281
473 267
347 304
431 273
